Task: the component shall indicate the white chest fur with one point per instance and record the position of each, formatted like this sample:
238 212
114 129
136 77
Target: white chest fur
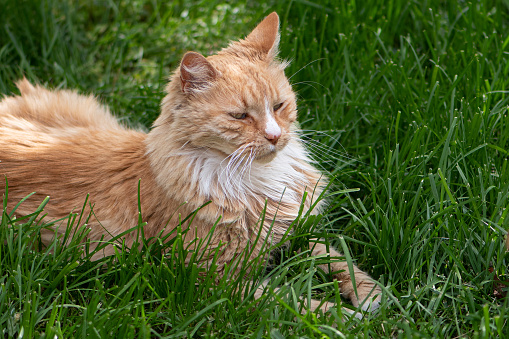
219 179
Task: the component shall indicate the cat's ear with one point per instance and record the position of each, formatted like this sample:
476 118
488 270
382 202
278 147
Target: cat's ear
265 37
196 73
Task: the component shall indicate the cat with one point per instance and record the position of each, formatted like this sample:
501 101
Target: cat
227 133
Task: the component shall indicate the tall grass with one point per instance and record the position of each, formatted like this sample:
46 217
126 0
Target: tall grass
405 103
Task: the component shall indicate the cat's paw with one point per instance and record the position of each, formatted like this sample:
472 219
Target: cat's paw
348 314
371 305
369 299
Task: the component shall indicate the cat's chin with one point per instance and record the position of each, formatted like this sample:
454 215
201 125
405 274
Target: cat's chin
266 158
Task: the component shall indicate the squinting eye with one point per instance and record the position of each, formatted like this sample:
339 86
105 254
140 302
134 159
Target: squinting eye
239 115
278 106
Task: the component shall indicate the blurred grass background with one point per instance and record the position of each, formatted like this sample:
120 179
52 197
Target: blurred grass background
409 101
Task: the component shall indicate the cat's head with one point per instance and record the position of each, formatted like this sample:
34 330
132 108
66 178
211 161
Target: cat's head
238 100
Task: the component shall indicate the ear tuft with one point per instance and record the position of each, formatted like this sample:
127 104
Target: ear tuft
196 73
265 37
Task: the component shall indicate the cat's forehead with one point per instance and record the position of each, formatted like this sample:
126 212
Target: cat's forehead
255 82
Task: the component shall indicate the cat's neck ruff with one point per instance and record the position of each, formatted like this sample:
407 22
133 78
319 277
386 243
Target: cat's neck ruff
275 180
224 181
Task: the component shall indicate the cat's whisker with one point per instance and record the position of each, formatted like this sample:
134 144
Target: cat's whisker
231 159
204 150
240 149
321 148
239 162
310 131
246 163
321 153
309 83
329 152
239 178
184 145
176 152
306 65
252 156
320 157
324 149
246 166
233 163
235 178
179 139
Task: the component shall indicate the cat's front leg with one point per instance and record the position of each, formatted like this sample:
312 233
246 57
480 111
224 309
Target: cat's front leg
368 293
310 304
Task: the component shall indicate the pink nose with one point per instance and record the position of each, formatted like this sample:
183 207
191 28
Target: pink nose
272 138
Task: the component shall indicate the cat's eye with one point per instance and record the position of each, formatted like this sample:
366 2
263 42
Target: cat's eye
278 106
239 115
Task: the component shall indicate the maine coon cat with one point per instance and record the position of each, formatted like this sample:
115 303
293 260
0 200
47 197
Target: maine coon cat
227 134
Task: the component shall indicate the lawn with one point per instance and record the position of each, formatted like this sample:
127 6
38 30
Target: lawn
404 103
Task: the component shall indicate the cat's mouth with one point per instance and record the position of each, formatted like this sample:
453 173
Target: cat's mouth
267 154
264 153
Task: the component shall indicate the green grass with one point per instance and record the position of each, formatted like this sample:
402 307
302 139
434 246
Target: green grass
409 103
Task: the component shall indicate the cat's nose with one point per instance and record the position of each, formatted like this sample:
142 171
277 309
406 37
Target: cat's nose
272 130
272 137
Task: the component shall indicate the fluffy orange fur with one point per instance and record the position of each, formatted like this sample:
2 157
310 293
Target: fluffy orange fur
227 134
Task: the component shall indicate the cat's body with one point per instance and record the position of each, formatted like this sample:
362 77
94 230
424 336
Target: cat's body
67 158
226 134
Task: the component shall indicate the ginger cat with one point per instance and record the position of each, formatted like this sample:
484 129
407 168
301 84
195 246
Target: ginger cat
227 133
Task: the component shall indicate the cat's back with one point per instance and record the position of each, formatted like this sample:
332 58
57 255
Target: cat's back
59 112
65 145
